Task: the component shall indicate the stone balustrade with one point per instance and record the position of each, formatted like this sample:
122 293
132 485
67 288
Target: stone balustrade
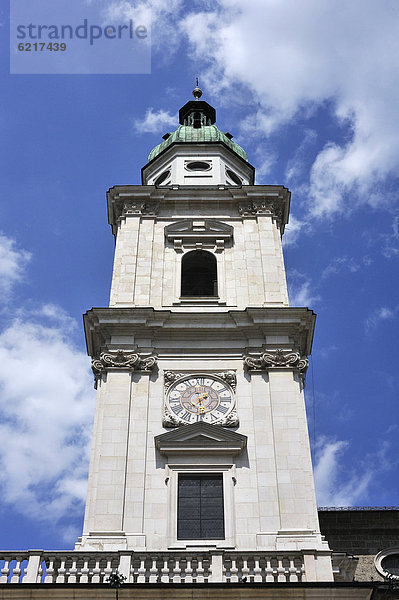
74 567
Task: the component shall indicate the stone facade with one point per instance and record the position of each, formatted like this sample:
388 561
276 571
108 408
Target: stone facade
147 264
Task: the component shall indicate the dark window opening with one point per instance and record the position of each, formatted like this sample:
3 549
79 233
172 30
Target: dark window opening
198 165
162 177
199 274
197 120
234 178
200 512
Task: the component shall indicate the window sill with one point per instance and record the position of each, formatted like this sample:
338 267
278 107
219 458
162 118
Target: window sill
198 545
199 300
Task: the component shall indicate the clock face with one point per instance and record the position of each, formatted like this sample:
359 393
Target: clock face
200 398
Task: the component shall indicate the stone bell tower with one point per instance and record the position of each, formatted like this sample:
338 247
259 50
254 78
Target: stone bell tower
200 441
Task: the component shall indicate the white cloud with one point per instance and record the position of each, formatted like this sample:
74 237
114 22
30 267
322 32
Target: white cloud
155 121
296 166
159 15
47 404
338 264
390 241
313 56
13 261
293 230
301 289
382 313
336 485
333 486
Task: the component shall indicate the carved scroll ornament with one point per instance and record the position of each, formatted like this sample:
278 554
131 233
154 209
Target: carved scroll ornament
277 359
130 361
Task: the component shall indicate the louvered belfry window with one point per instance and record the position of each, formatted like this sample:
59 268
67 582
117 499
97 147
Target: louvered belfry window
200 513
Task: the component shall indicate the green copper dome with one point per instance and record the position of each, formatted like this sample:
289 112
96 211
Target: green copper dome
190 134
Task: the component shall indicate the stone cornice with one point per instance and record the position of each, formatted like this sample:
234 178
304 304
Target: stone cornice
277 359
230 332
119 359
246 201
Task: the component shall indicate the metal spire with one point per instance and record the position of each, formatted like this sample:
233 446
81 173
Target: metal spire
197 93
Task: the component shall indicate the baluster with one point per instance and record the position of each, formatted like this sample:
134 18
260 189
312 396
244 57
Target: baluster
292 570
49 570
72 573
40 573
60 578
280 570
302 576
234 571
96 572
200 571
84 573
5 571
257 570
16 572
165 570
141 571
153 571
176 570
269 570
107 570
245 569
188 574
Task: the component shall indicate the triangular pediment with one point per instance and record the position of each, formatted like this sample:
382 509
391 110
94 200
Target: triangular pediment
201 437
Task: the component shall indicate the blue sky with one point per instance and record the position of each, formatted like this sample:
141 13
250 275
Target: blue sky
310 91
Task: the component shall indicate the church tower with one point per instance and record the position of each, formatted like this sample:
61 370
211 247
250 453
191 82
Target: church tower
200 446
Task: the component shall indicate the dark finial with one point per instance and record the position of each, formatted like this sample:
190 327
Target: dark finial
197 93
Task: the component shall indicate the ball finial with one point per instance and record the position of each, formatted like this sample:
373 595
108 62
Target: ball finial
197 93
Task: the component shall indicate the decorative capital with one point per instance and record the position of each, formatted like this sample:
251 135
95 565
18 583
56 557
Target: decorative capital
120 359
277 359
134 207
266 206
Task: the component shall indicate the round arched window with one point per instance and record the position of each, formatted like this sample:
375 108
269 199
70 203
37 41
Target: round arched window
387 563
198 165
199 274
162 178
